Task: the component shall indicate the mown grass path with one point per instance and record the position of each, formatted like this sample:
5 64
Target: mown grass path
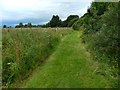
70 66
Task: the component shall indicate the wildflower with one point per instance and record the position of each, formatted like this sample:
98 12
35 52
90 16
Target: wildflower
8 63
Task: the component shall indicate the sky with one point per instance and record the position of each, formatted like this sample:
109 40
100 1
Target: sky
13 12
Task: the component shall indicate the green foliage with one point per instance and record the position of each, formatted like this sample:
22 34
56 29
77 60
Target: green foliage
77 25
90 20
4 26
98 8
72 22
24 49
101 28
105 42
28 25
67 21
71 66
55 21
19 26
101 33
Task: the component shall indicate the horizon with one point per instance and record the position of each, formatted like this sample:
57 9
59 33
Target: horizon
39 12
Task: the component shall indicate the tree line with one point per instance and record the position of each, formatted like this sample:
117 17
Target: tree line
57 22
54 22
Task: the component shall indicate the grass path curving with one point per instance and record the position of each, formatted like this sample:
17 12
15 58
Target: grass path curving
70 66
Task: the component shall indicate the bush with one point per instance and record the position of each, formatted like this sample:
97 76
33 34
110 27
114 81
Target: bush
101 30
72 22
77 25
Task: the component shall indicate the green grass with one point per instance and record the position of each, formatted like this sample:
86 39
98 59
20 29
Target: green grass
25 49
51 58
70 66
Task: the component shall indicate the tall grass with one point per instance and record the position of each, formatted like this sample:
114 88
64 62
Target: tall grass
0 58
24 49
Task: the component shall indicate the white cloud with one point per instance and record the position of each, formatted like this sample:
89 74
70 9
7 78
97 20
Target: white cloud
26 5
38 9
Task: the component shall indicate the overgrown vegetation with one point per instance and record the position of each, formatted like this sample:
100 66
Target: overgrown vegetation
24 49
71 66
101 27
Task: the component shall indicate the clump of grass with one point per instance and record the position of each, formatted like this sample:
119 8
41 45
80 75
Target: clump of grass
24 49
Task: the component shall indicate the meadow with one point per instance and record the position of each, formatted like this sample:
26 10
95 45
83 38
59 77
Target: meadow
79 52
52 58
24 49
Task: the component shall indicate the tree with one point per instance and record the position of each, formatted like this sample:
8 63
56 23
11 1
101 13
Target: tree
69 18
4 26
55 21
25 26
19 26
72 22
29 25
101 28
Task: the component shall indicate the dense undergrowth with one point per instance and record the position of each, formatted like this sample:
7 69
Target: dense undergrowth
100 26
24 49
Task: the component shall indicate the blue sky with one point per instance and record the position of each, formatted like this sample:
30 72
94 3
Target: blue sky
39 11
